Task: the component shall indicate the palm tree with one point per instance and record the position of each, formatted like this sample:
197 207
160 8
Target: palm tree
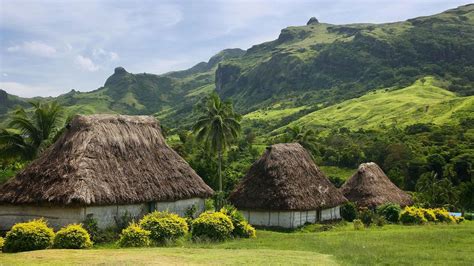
217 126
307 138
29 134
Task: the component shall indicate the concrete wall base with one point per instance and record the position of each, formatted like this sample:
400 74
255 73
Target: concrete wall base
290 219
106 216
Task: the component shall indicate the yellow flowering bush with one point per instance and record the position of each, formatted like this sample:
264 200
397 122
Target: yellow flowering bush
412 215
212 225
1 242
73 236
429 215
164 226
134 236
442 215
32 235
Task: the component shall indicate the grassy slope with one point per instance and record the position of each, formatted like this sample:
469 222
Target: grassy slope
390 245
422 102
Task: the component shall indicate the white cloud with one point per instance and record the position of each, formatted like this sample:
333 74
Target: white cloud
86 63
33 48
102 54
24 90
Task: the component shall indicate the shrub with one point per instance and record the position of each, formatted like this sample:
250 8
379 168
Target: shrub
212 225
429 215
244 229
390 211
134 236
366 216
379 220
241 227
412 215
32 235
469 216
442 215
209 205
2 241
358 225
459 219
164 226
91 226
73 236
122 221
349 211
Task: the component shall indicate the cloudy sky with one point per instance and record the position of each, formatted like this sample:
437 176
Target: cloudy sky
48 47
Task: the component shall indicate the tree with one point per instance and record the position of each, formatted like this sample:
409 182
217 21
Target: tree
30 133
436 192
305 137
217 126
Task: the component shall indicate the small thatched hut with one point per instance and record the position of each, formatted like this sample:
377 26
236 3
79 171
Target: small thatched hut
285 188
103 166
370 187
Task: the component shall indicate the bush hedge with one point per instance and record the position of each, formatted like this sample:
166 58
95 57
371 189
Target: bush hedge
349 211
2 241
412 215
213 226
390 211
134 236
73 236
241 227
358 225
366 216
32 235
164 226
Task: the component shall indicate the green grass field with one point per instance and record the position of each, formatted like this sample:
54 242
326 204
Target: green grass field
423 102
389 245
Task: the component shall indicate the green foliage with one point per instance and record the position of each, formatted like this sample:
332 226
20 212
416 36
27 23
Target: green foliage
73 236
390 211
32 235
213 226
122 221
217 126
469 216
134 236
358 224
241 227
209 205
379 220
31 133
91 226
412 215
245 230
366 216
164 226
348 211
2 242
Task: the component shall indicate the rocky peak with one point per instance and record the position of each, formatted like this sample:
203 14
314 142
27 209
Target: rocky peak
312 21
119 70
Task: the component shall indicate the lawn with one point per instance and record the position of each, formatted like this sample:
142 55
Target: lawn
389 245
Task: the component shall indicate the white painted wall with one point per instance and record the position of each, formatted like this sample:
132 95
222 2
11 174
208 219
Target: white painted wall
290 219
58 217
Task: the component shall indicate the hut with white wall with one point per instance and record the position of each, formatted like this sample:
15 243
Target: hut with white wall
103 166
285 188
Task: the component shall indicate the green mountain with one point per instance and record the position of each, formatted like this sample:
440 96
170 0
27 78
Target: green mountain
318 74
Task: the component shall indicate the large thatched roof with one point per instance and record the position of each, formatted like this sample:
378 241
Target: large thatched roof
370 187
106 159
285 178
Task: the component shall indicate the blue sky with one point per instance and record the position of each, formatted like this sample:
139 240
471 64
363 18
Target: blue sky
49 47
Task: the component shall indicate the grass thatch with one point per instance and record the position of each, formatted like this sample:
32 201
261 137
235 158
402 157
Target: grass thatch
285 178
370 187
106 159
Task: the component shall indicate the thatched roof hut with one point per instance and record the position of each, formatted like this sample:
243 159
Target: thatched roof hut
106 160
370 187
285 178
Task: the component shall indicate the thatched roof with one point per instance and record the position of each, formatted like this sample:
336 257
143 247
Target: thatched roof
106 159
285 178
370 187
